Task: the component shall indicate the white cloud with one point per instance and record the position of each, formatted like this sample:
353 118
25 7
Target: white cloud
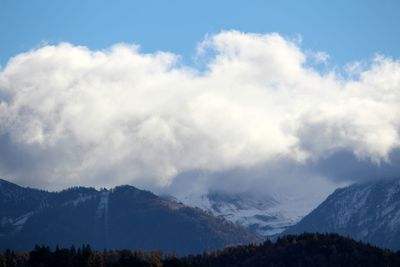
120 116
320 57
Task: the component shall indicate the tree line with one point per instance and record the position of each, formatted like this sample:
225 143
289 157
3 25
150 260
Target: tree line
302 250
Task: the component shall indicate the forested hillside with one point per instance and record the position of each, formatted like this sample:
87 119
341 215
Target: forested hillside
303 250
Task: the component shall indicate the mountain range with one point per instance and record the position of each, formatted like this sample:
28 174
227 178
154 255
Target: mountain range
127 217
122 217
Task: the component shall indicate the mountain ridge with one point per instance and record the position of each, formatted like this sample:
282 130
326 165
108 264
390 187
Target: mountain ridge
367 211
121 217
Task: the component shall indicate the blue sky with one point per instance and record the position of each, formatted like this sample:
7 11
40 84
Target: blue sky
346 30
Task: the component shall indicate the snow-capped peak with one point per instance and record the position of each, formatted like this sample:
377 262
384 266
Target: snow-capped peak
264 215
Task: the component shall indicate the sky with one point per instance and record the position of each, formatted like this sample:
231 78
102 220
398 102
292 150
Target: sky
346 30
177 96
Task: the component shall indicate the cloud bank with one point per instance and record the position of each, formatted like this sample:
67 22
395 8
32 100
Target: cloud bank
70 115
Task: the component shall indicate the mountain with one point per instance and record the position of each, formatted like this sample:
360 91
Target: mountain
369 212
265 216
123 217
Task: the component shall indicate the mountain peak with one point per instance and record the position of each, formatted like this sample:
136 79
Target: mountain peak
122 217
367 211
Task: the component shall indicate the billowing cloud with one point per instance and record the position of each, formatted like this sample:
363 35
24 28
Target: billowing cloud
70 115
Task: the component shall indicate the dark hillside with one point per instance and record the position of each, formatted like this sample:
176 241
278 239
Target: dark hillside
308 250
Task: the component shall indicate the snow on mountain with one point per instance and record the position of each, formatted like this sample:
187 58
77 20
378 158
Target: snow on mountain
266 216
368 212
20 221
